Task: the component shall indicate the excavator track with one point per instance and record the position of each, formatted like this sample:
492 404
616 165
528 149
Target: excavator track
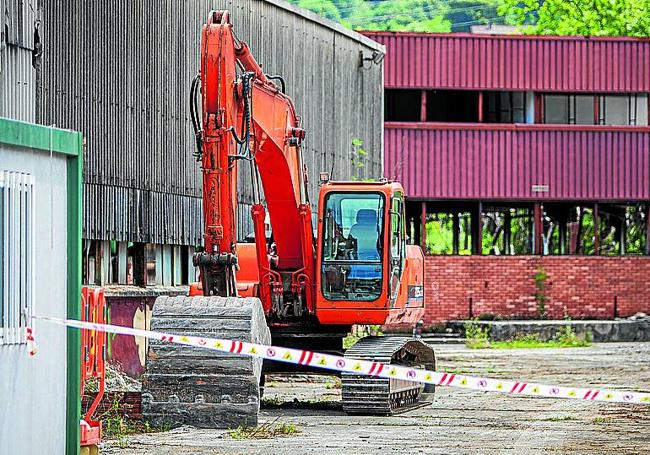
367 395
185 385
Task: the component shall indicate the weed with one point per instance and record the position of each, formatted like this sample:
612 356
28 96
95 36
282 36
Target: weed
119 427
271 401
266 431
457 371
361 331
599 420
350 341
357 160
568 338
476 336
558 418
334 383
541 298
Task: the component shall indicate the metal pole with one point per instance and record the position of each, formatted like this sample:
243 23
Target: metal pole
423 227
537 228
596 230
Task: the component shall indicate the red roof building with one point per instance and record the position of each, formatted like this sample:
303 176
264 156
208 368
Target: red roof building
520 154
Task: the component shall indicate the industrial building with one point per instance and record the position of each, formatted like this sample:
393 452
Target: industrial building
121 75
124 82
526 161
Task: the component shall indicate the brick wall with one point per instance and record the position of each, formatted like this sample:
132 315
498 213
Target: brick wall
586 287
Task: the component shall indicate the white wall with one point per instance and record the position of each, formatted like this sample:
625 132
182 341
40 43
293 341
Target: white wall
33 389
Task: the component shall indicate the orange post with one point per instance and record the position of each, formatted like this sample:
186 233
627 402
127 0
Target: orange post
93 358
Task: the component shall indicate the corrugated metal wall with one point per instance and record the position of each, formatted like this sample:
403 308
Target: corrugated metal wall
17 75
540 63
120 72
505 162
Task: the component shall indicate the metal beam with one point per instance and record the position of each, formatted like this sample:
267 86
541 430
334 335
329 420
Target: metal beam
423 227
477 229
596 230
423 106
537 228
647 227
456 232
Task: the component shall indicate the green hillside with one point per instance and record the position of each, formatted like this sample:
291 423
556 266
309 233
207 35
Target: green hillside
407 15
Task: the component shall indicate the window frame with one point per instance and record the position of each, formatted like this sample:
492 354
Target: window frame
382 237
17 217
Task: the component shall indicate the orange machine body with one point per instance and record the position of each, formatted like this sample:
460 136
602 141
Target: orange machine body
357 269
401 300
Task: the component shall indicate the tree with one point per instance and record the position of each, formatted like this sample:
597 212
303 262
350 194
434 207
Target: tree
403 15
384 15
325 8
579 17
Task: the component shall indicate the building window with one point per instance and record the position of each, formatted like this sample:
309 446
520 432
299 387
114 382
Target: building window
449 233
507 231
611 230
402 105
629 109
563 228
128 263
452 106
569 109
17 253
504 107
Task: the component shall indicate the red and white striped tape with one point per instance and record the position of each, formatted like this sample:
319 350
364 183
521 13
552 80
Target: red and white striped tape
364 367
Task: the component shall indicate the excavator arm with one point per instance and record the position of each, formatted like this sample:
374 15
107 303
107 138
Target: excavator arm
248 121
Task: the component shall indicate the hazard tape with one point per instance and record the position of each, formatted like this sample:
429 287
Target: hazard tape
364 367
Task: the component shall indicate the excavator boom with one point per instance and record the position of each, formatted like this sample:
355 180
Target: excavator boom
248 121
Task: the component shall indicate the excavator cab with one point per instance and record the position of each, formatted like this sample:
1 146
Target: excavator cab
366 272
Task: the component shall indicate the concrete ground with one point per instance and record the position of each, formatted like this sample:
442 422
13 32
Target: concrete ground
459 421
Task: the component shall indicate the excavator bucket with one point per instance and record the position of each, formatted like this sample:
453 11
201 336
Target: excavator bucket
185 385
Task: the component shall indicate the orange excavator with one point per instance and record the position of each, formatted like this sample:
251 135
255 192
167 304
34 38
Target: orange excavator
302 285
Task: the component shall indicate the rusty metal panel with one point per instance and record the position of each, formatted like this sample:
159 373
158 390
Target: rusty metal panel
128 67
539 63
531 162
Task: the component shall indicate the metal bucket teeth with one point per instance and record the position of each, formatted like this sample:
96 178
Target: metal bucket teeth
367 395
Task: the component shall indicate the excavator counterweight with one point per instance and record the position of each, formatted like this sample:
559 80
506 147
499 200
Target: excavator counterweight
291 286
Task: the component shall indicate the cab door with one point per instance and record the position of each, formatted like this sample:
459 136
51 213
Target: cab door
397 246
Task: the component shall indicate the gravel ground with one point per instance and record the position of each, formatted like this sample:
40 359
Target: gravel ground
459 421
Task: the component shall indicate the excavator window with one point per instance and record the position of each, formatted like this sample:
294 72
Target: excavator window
353 246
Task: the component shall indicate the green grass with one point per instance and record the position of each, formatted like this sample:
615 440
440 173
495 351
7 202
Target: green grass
334 383
478 337
558 419
266 431
599 420
533 342
271 401
359 332
117 427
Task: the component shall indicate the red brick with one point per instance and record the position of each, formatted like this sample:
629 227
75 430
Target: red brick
582 286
